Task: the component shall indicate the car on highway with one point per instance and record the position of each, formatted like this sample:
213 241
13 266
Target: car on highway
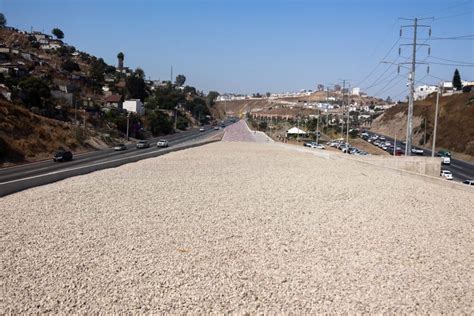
447 174
445 160
308 144
417 151
62 155
202 129
162 143
120 147
216 128
468 182
443 153
143 144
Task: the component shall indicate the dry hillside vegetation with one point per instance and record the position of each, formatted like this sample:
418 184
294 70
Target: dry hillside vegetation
455 123
23 135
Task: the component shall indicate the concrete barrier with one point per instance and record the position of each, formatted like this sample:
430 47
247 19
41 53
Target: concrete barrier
423 165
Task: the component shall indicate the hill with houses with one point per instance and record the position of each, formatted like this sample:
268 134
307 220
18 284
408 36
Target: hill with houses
61 86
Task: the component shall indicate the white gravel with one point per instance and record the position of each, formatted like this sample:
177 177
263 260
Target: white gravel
238 227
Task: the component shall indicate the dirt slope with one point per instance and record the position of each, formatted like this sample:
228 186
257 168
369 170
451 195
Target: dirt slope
23 135
455 123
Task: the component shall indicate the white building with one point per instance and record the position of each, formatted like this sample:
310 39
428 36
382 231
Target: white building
134 106
355 91
421 92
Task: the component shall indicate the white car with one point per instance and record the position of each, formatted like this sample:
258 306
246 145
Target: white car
317 146
445 160
468 182
202 129
417 151
447 174
162 143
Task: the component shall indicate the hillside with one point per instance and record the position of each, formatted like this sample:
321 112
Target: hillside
25 136
47 88
455 123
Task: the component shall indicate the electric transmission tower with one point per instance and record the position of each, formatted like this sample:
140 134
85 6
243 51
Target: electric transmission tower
411 76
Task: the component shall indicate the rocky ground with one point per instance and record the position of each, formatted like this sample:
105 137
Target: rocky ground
238 227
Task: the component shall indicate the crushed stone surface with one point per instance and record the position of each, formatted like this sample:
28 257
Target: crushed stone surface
238 228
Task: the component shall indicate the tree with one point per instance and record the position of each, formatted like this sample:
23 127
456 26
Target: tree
34 91
3 20
140 73
97 70
70 66
159 123
211 97
262 126
268 94
457 84
180 80
58 33
182 123
136 87
120 57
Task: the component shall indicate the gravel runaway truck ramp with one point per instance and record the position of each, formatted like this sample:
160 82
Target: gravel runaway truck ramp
238 132
237 227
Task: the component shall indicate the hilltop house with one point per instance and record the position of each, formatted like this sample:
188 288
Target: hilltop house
114 101
134 106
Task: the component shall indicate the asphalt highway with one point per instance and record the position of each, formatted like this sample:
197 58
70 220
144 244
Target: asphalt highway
460 169
25 176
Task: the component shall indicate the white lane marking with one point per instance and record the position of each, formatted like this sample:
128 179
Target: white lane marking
81 167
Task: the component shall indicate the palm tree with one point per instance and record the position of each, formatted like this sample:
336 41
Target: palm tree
120 57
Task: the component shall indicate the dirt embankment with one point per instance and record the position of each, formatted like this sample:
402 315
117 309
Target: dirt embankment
25 136
455 122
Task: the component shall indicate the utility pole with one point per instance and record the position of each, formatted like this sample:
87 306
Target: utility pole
345 105
171 75
411 92
424 134
433 148
128 124
317 127
411 77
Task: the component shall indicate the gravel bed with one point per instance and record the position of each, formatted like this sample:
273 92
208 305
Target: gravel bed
241 228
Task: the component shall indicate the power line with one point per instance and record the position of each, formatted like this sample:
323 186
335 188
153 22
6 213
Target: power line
446 64
375 68
451 7
450 60
453 16
376 47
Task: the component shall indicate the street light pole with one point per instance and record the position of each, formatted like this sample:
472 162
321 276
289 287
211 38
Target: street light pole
317 128
433 148
128 123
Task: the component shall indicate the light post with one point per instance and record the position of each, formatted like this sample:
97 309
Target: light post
128 124
317 128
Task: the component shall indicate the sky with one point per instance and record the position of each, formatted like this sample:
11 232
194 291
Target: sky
264 46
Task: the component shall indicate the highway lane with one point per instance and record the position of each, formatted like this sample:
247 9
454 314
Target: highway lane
30 175
29 169
461 170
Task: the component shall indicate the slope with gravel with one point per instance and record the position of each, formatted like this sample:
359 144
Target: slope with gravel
237 227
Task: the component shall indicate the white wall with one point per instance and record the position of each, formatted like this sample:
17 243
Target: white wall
133 106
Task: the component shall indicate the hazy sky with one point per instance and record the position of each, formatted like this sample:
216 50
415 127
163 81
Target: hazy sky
259 46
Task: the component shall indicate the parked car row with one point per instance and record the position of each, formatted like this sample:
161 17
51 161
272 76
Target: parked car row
382 143
346 148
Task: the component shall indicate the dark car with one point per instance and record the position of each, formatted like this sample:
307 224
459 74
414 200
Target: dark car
120 147
143 144
62 155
